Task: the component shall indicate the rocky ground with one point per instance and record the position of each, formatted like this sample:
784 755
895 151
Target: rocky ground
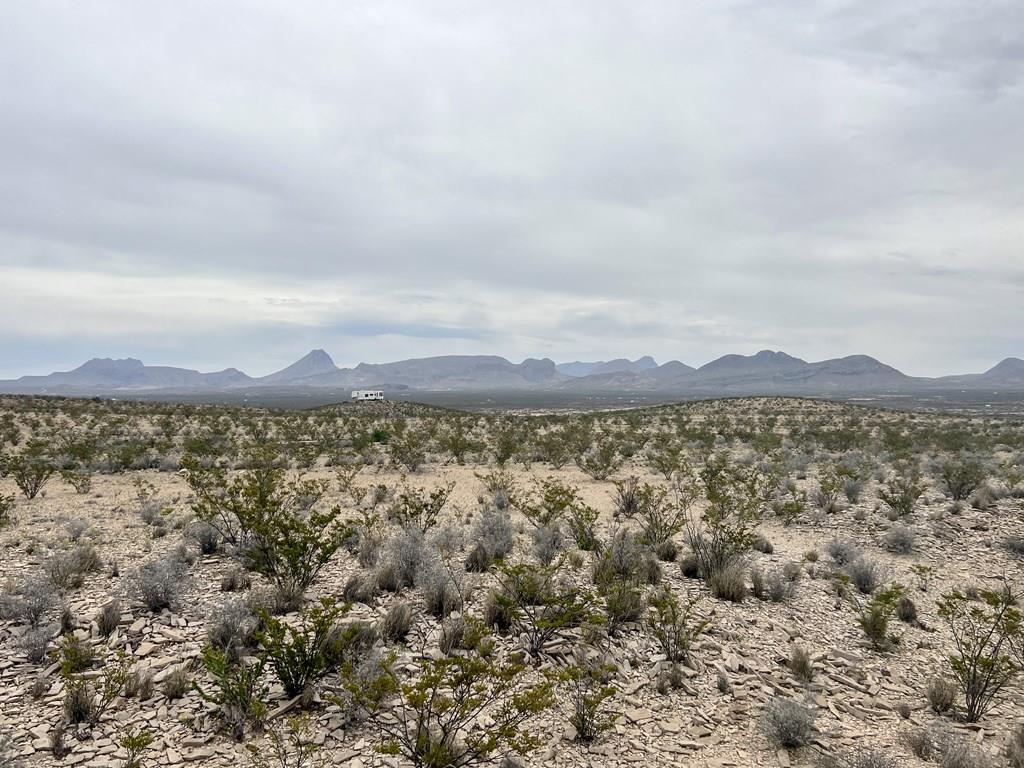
713 719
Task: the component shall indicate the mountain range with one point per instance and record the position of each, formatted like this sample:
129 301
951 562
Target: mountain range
766 372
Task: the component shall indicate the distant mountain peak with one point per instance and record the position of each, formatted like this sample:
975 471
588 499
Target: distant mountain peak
1009 365
313 363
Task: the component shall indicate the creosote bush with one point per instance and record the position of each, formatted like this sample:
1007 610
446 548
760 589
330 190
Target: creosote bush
428 716
985 633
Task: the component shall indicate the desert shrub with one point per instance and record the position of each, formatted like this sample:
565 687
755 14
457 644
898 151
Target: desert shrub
395 625
787 723
901 492
360 588
416 507
442 588
729 582
67 570
791 503
29 601
900 539
547 505
478 560
547 543
35 643
689 566
581 521
158 583
292 744
236 579
600 460
623 603
78 704
134 742
906 610
666 551
30 469
941 694
736 495
238 693
800 664
494 532
1014 545
429 716
108 617
842 552
6 508
75 655
984 633
408 449
87 702
291 547
587 685
539 605
402 557
139 684
80 480
876 613
853 487
206 537
497 614
177 683
865 574
232 628
75 529
660 512
675 625
298 654
826 496
959 477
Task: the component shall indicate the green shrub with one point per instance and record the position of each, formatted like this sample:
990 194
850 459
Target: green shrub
239 691
984 633
960 477
418 508
877 612
674 625
901 492
299 655
587 687
30 469
539 604
430 717
736 496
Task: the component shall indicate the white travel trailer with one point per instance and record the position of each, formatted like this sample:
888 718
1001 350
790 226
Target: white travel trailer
361 395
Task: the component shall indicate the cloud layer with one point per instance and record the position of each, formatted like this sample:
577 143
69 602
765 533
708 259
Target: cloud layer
231 183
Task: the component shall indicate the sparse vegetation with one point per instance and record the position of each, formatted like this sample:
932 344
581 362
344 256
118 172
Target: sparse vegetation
553 532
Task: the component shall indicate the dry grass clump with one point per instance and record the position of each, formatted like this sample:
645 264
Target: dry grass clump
787 723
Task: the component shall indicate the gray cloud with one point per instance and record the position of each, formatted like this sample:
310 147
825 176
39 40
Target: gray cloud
230 183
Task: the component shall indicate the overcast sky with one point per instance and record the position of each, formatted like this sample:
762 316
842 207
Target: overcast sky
233 183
